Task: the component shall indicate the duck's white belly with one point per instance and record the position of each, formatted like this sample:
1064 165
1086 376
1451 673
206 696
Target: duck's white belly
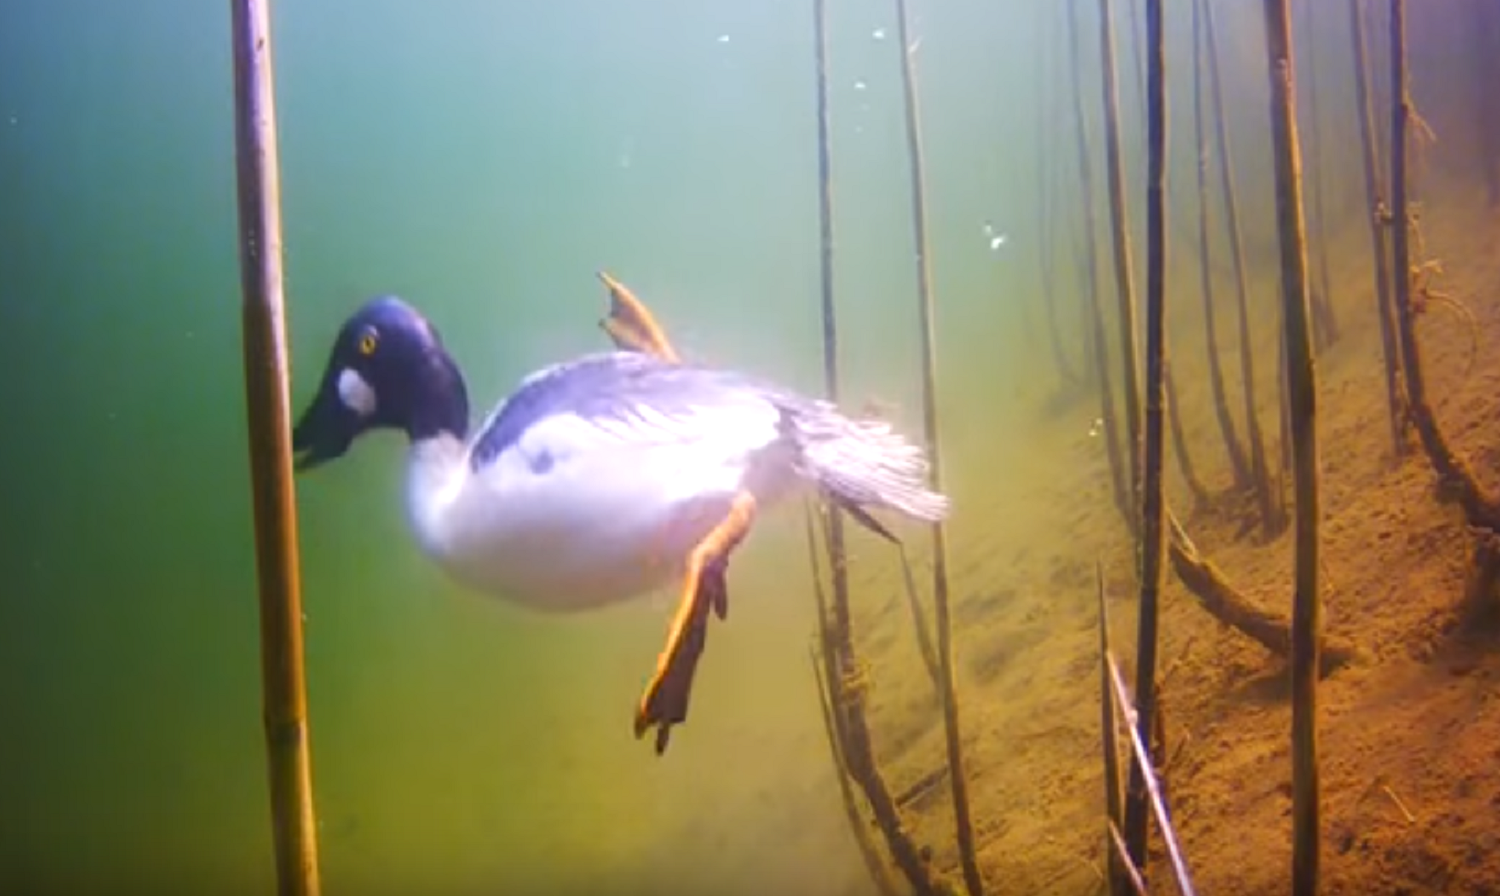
591 530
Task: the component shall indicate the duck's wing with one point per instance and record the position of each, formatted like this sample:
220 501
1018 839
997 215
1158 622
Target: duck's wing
615 399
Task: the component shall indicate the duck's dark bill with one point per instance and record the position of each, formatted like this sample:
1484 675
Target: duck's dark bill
324 433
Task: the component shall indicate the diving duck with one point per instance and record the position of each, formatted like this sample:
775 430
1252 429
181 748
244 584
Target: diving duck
601 478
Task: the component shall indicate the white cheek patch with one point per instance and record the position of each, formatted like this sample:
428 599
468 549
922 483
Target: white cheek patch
355 393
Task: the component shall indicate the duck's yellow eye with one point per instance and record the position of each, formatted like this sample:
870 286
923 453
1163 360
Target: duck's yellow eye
367 343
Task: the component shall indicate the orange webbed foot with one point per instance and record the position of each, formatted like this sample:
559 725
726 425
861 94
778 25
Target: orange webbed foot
664 702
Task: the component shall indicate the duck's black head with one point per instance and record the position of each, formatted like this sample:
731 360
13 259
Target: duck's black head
387 369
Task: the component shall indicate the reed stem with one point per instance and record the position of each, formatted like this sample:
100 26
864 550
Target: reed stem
1374 218
962 824
1272 518
833 720
1325 316
1239 464
1303 421
1069 377
283 673
1153 503
1481 508
839 662
1484 45
1113 797
1094 333
1119 223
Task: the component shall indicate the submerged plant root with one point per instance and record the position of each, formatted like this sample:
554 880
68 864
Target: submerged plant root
1218 596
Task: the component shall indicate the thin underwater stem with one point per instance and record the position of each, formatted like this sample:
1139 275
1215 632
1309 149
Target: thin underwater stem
1484 47
1481 508
1271 515
833 718
1375 219
840 666
1238 462
1303 421
1113 796
1153 501
1120 230
1067 374
1179 440
283 670
1325 317
1094 332
928 324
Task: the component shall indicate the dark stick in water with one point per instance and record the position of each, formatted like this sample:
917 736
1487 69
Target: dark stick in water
1302 417
1153 500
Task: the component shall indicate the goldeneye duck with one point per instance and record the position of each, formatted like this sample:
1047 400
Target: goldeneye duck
600 478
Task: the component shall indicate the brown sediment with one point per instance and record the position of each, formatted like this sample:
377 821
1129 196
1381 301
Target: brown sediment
283 669
1302 419
1272 516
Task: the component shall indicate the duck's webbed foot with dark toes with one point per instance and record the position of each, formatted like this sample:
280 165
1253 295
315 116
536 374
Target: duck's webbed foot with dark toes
665 700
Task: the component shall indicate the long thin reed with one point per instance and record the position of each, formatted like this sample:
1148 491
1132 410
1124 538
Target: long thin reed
283 675
848 711
1239 464
833 721
1119 224
1068 376
1180 451
1153 501
1270 511
1325 315
1484 44
1108 727
1094 326
1481 508
1379 248
1303 421
963 826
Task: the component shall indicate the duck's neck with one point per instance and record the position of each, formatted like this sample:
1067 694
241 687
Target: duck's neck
436 469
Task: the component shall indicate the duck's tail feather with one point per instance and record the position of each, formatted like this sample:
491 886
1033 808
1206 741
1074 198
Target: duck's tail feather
863 464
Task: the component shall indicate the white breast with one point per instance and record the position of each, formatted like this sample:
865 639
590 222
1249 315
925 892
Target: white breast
602 520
